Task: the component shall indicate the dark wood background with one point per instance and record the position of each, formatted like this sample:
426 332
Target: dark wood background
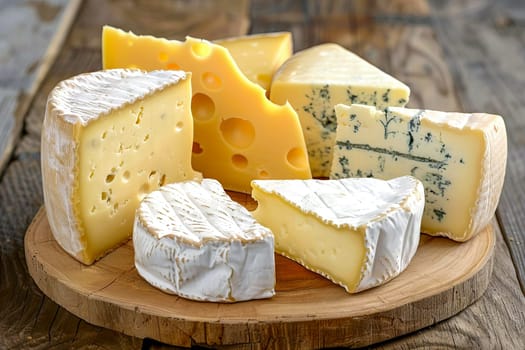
455 55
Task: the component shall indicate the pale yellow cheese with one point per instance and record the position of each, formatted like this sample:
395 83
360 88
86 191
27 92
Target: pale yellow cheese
459 157
357 232
259 55
314 80
108 139
239 135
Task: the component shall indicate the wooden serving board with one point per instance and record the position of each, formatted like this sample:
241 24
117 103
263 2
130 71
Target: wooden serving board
307 311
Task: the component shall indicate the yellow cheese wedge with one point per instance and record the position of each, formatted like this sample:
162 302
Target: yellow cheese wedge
108 139
314 80
239 135
260 55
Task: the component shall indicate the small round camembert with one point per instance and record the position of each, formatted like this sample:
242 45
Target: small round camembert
192 240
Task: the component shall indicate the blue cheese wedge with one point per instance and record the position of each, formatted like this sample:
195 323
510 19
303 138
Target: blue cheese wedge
358 232
192 240
314 80
459 157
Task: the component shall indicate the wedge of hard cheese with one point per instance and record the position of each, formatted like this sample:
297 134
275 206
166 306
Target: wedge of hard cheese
359 232
459 157
192 240
314 80
108 139
239 134
259 55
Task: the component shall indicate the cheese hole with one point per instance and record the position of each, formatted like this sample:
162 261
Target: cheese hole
146 138
91 174
238 132
152 175
263 174
110 178
201 49
296 158
211 81
104 196
179 126
239 161
143 191
163 57
139 116
162 180
104 135
264 79
179 104
202 107
93 209
125 176
172 66
196 148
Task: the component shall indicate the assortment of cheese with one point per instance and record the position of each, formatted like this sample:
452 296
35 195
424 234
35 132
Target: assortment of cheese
145 148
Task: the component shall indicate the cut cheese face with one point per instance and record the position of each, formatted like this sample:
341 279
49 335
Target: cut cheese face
460 158
358 232
259 55
108 139
192 240
314 80
239 135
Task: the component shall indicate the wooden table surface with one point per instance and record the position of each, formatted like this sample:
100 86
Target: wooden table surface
455 55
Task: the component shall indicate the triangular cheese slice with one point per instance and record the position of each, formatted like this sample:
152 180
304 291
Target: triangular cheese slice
259 55
314 80
108 139
459 157
358 232
192 240
239 134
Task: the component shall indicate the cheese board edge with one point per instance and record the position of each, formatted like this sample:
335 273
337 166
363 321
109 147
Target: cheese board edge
175 330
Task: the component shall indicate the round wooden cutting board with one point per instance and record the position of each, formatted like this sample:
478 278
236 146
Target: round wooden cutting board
307 311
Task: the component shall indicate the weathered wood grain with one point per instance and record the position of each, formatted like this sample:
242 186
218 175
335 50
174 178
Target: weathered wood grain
485 48
31 34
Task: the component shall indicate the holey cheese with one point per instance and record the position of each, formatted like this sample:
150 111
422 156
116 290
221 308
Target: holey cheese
314 80
460 158
108 139
192 240
259 55
357 232
239 135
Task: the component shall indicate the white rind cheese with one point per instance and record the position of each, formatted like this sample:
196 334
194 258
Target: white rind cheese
357 232
459 157
314 80
192 240
106 142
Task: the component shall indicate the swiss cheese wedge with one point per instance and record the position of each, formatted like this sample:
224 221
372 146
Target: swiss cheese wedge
239 135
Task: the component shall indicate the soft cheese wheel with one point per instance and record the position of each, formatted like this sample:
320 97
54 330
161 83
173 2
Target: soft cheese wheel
259 55
314 80
239 134
108 139
459 157
359 233
192 240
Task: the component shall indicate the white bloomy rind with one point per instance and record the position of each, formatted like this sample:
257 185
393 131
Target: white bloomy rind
71 105
387 213
192 240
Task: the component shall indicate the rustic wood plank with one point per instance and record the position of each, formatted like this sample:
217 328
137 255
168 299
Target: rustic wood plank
485 48
473 328
31 34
